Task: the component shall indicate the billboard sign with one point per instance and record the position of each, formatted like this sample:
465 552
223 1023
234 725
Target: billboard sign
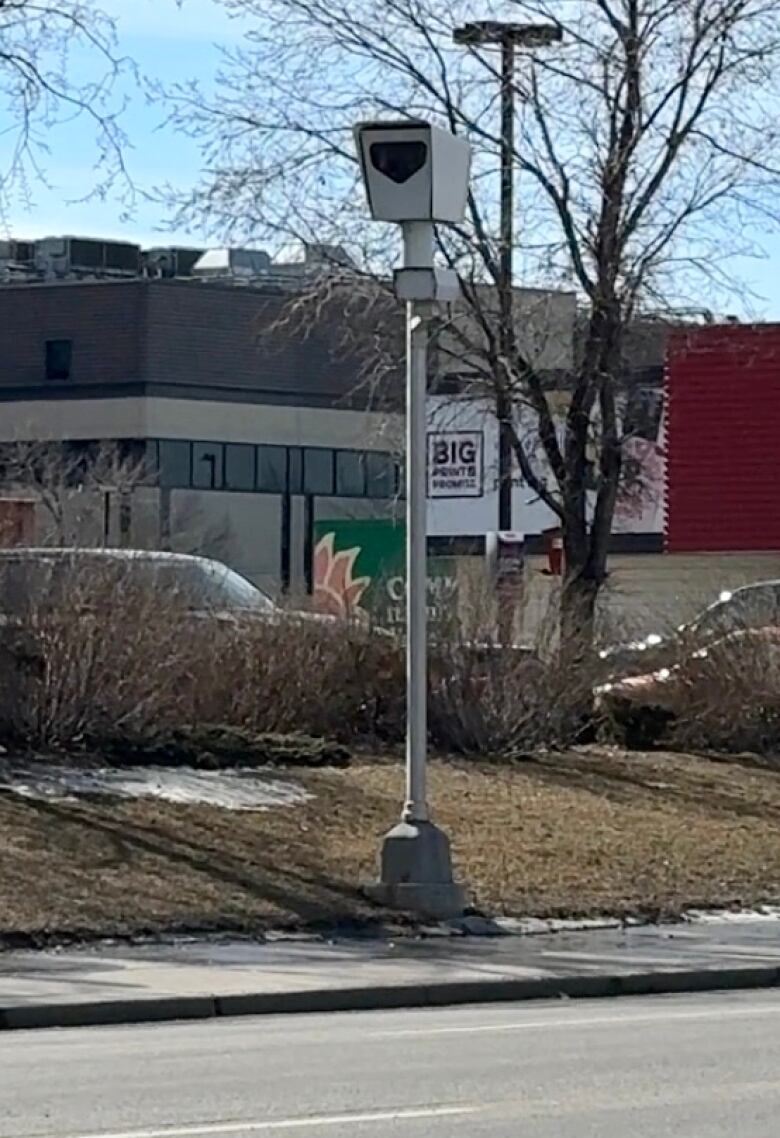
359 568
456 461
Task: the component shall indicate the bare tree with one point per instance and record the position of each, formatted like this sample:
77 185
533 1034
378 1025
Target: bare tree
645 151
76 487
58 61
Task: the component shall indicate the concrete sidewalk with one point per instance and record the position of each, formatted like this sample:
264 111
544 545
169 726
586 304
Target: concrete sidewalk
112 984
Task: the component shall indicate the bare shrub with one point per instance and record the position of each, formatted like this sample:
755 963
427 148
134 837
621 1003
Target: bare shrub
92 652
722 696
98 654
292 674
496 699
87 651
728 696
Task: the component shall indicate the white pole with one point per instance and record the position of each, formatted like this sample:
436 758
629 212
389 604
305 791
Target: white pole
418 253
416 807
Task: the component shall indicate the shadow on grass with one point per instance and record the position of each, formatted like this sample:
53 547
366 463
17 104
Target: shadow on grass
283 860
621 778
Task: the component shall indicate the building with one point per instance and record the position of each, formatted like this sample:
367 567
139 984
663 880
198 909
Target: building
252 423
723 426
249 433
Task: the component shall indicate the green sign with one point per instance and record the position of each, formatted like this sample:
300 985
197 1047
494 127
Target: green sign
359 566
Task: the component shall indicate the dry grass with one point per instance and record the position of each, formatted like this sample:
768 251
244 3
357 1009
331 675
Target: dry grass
575 834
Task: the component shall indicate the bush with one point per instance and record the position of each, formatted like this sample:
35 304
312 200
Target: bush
212 747
505 701
130 671
731 699
106 659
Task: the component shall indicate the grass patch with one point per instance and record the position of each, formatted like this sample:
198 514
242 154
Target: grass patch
577 834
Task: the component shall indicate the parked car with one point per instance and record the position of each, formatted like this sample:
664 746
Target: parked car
644 706
32 578
748 607
60 579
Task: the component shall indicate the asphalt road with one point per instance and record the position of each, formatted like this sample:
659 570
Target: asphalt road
691 1067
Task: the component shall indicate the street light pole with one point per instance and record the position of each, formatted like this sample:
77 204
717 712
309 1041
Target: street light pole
506 329
506 36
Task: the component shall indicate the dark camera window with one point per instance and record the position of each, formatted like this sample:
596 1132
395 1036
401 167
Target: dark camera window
317 471
398 161
272 469
380 475
174 463
59 356
239 467
207 471
350 474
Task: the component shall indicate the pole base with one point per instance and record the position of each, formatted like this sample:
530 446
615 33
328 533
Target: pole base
416 873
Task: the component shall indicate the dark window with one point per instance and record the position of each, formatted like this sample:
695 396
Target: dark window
239 466
59 356
207 473
272 469
150 459
317 471
174 463
295 470
350 474
381 475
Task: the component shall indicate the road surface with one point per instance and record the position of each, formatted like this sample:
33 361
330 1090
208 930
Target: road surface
696 1066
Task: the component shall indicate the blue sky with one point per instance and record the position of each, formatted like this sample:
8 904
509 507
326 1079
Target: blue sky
178 43
165 41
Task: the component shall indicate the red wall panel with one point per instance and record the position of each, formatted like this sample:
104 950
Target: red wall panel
723 439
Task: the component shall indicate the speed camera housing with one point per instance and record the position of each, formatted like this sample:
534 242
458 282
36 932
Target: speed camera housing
413 171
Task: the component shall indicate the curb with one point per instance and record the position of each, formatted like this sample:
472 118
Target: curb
170 1008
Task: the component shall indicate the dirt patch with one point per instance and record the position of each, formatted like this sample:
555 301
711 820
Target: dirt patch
579 834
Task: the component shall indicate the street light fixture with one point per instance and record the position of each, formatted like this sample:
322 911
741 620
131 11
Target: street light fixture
508 37
497 32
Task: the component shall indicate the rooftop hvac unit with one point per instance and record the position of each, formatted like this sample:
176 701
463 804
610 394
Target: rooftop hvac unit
62 257
235 264
22 252
319 254
16 260
171 261
122 257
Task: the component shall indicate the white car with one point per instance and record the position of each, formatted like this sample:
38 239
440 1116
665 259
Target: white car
61 577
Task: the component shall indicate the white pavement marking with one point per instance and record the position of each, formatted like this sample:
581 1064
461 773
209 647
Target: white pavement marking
591 1021
239 1128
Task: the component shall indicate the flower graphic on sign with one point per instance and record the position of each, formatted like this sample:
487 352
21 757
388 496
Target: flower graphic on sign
336 591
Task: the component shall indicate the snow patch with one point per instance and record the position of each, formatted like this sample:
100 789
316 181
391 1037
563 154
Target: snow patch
229 790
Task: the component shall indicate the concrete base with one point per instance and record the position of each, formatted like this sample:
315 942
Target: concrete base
416 873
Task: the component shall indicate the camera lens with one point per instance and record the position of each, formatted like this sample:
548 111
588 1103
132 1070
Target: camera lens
398 160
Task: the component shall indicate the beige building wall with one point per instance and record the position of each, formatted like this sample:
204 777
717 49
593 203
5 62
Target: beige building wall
141 418
544 327
244 530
